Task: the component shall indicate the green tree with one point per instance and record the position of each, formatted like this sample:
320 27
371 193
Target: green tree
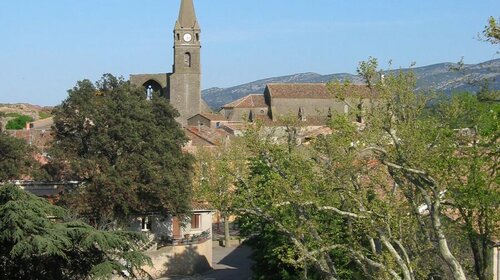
473 181
327 213
413 147
125 149
18 122
36 243
15 158
217 172
374 199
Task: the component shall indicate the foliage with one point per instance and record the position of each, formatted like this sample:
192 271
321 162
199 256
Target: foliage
35 243
473 180
18 122
216 173
15 158
126 150
44 114
375 200
491 32
282 206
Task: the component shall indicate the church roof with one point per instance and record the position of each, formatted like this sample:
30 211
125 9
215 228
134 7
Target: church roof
312 91
187 16
249 101
213 117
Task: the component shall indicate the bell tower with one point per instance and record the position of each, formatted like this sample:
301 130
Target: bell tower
184 84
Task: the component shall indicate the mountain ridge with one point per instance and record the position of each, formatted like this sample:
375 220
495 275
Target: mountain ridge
438 77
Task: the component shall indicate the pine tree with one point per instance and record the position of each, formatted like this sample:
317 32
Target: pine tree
37 243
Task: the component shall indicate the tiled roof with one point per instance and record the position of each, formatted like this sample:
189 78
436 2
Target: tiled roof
316 91
201 206
249 101
211 135
213 117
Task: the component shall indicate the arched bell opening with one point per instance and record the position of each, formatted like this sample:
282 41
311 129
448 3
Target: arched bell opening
153 88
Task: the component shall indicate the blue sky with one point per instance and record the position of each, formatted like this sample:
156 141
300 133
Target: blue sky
46 46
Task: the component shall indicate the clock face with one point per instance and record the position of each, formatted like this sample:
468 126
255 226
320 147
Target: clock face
187 37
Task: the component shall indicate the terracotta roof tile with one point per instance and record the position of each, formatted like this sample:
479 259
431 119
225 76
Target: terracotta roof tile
312 90
201 205
210 135
249 101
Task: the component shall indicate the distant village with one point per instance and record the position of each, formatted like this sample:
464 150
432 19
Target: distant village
310 107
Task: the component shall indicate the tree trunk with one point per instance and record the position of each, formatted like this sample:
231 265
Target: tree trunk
456 268
227 237
478 257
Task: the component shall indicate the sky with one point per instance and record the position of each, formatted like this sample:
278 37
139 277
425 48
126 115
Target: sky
47 46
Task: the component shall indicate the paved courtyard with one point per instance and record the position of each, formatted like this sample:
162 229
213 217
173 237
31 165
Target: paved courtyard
229 264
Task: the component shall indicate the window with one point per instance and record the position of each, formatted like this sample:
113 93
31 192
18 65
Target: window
197 36
178 36
196 221
187 59
146 224
217 125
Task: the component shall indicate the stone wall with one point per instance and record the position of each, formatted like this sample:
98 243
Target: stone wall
313 106
241 114
141 79
496 262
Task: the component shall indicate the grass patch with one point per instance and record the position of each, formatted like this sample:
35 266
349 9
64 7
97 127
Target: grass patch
44 115
18 122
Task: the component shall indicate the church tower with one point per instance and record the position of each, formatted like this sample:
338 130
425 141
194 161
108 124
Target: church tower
184 84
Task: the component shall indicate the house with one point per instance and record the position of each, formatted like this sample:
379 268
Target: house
168 236
245 108
207 119
313 103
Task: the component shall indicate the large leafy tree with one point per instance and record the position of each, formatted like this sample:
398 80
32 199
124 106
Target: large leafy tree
124 148
335 210
379 199
37 243
217 173
473 179
15 158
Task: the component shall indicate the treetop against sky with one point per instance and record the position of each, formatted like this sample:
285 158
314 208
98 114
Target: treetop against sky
48 45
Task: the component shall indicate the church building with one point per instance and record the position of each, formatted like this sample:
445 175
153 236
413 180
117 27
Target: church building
313 104
183 86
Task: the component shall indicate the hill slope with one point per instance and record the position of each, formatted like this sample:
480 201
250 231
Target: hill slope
433 77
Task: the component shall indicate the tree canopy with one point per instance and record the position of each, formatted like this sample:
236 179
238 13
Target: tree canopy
15 158
37 242
127 151
411 193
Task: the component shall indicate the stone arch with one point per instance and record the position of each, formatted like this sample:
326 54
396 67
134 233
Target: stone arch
156 86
